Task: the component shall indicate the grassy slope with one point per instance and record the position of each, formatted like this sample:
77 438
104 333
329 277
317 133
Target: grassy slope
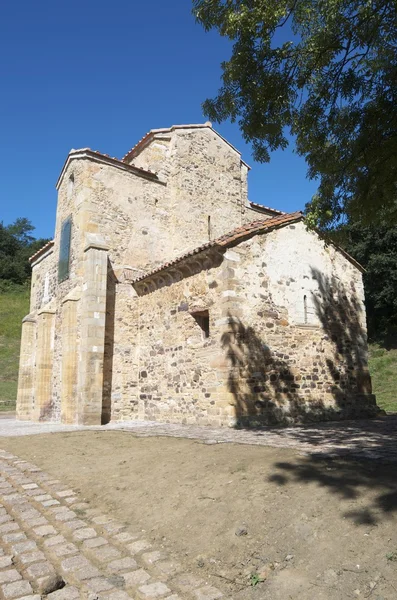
383 369
13 307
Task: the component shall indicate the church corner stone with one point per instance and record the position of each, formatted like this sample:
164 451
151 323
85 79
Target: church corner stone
142 308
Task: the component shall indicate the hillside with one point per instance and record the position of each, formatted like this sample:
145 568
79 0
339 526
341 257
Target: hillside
14 306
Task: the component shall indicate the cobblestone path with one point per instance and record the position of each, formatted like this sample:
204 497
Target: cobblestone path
54 545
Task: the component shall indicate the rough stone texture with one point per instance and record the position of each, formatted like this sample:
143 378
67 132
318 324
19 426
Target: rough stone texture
43 566
287 331
16 589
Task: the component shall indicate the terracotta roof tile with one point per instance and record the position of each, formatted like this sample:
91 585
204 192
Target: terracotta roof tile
42 250
266 208
236 235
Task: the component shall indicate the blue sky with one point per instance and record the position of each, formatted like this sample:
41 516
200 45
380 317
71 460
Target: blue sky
101 74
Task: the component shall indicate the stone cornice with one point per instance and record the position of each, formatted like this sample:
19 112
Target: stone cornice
88 154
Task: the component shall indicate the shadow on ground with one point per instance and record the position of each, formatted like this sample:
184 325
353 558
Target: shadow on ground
349 479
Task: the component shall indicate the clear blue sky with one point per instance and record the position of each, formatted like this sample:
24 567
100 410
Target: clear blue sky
101 74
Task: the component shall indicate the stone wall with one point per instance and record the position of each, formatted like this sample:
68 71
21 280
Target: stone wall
297 335
205 178
164 367
267 359
106 349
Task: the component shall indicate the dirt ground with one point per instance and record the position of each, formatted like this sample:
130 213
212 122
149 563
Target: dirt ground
257 522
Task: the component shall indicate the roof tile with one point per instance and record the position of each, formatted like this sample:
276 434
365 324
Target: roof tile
238 234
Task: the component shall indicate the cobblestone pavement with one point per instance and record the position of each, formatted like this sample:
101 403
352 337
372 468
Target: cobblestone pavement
54 545
370 439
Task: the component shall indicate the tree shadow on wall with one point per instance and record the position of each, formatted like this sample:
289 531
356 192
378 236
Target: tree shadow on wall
271 387
268 388
262 383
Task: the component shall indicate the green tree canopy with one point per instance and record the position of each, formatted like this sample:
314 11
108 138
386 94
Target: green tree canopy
325 71
16 245
375 247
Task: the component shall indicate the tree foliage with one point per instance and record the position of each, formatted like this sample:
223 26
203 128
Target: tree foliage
375 247
326 71
16 246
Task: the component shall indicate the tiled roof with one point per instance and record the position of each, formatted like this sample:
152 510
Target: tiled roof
235 236
42 250
145 171
95 154
135 149
255 205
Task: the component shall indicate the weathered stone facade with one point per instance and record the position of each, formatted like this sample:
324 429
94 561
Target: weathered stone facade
164 315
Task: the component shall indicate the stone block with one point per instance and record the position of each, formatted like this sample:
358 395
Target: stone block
16 590
45 530
68 592
116 595
65 516
85 533
43 498
36 522
149 558
53 541
122 564
40 569
86 573
138 546
124 537
153 590
64 493
5 561
105 553
74 524
94 542
99 584
9 527
31 557
9 575
4 518
136 578
51 502
64 549
76 562
23 547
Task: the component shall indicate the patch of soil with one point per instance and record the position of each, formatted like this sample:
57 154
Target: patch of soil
257 522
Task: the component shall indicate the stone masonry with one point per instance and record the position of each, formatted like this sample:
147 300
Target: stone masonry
185 302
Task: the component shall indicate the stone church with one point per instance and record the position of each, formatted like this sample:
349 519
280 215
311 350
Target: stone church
167 295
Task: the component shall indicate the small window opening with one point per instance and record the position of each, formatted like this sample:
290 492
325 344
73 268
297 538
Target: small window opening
209 227
202 319
305 309
70 186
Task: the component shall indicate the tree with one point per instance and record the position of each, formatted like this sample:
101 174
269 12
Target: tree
375 247
16 245
326 72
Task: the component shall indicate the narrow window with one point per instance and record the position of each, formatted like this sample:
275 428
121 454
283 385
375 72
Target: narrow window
203 321
64 250
305 309
70 186
209 227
